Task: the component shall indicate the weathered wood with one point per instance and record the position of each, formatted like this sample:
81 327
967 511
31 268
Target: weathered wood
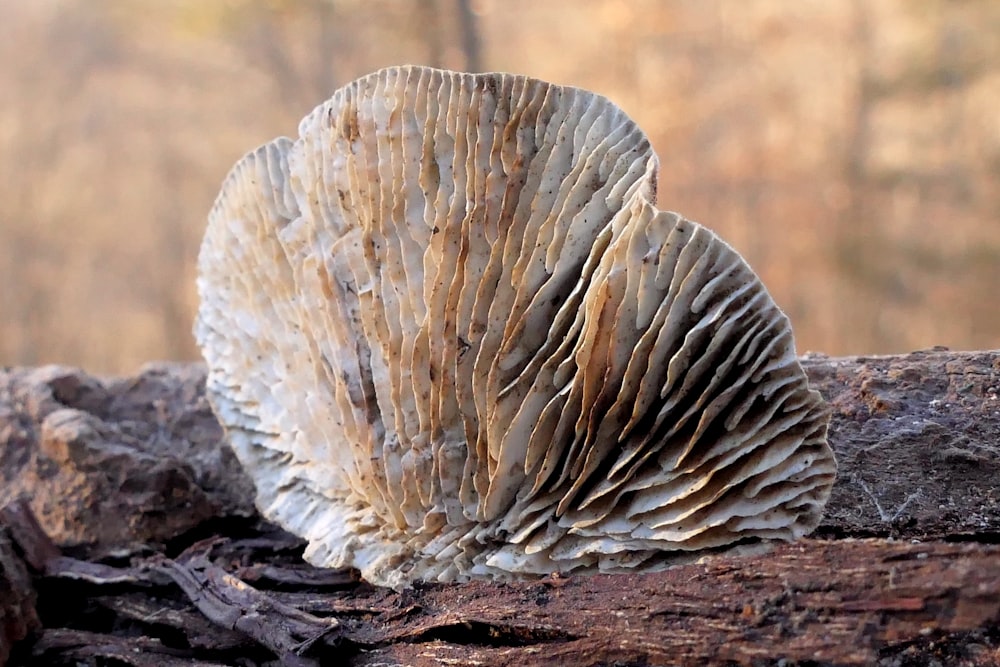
145 450
842 602
18 618
917 438
229 602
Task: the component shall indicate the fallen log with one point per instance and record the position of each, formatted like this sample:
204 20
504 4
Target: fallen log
18 617
905 568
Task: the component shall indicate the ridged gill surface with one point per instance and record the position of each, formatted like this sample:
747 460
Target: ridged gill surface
450 335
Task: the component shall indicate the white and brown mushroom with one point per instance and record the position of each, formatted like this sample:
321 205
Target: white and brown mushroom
451 336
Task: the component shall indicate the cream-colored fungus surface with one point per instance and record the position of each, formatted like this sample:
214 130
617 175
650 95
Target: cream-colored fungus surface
450 335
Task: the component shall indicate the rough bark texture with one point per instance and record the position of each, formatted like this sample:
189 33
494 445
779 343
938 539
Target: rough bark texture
162 560
917 439
18 617
116 463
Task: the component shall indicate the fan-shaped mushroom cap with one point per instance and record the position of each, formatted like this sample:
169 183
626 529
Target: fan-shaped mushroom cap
450 336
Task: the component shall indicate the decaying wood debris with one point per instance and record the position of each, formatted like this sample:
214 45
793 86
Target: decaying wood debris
136 528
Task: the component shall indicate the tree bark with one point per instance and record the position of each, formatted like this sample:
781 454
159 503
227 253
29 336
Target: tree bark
18 617
905 568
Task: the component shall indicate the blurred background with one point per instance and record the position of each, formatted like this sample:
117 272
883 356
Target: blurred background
849 149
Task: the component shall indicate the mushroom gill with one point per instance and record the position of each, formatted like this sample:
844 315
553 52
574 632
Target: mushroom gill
451 336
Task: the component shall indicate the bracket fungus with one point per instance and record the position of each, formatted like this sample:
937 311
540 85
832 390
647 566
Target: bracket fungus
451 336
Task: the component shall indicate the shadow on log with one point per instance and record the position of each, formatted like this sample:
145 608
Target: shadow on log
159 560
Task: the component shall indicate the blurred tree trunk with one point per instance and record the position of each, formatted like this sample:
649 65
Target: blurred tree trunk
176 249
471 43
326 78
855 235
302 77
430 18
